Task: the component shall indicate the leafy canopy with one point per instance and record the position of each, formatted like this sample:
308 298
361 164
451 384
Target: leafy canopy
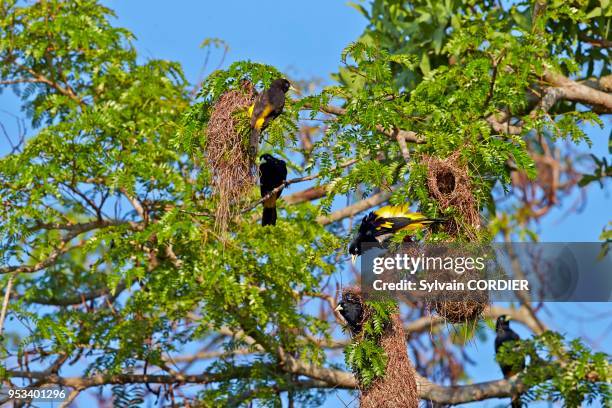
106 210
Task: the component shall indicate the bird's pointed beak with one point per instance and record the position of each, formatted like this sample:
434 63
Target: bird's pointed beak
353 259
293 88
338 308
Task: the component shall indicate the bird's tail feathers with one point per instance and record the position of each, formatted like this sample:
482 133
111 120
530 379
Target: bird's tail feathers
269 216
254 143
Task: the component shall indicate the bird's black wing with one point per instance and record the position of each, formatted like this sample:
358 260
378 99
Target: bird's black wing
392 224
276 98
272 174
268 106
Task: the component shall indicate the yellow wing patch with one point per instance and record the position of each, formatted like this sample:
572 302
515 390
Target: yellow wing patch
386 224
262 117
251 110
391 211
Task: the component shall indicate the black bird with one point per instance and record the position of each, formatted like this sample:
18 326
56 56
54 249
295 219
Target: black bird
272 174
506 334
268 105
381 224
351 308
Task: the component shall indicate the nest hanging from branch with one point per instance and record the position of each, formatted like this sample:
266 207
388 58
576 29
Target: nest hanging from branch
461 306
227 155
449 184
398 387
459 312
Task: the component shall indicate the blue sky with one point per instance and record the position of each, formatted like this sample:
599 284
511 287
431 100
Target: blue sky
305 40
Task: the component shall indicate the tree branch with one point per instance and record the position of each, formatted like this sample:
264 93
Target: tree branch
407 135
5 302
356 208
74 230
312 193
577 92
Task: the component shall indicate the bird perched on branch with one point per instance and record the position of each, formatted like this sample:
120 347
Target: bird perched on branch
380 225
504 335
272 175
351 308
268 105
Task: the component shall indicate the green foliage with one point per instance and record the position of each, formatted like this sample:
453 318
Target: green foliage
449 108
558 370
106 210
602 171
606 237
364 355
108 154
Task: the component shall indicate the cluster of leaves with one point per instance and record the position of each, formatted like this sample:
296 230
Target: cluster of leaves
603 171
423 29
448 108
364 355
558 370
103 191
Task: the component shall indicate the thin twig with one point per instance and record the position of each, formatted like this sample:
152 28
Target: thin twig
355 208
5 302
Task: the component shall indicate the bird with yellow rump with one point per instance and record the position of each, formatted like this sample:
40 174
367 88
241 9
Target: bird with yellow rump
267 106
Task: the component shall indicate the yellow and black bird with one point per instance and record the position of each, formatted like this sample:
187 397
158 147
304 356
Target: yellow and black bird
272 174
504 334
380 225
268 105
351 309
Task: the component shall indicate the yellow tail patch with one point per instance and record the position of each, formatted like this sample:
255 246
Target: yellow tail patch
413 227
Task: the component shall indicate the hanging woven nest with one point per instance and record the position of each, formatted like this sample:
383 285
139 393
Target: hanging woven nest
459 312
449 184
461 305
398 387
227 155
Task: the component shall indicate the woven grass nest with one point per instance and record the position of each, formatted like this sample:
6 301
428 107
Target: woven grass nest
398 387
449 184
460 306
227 155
